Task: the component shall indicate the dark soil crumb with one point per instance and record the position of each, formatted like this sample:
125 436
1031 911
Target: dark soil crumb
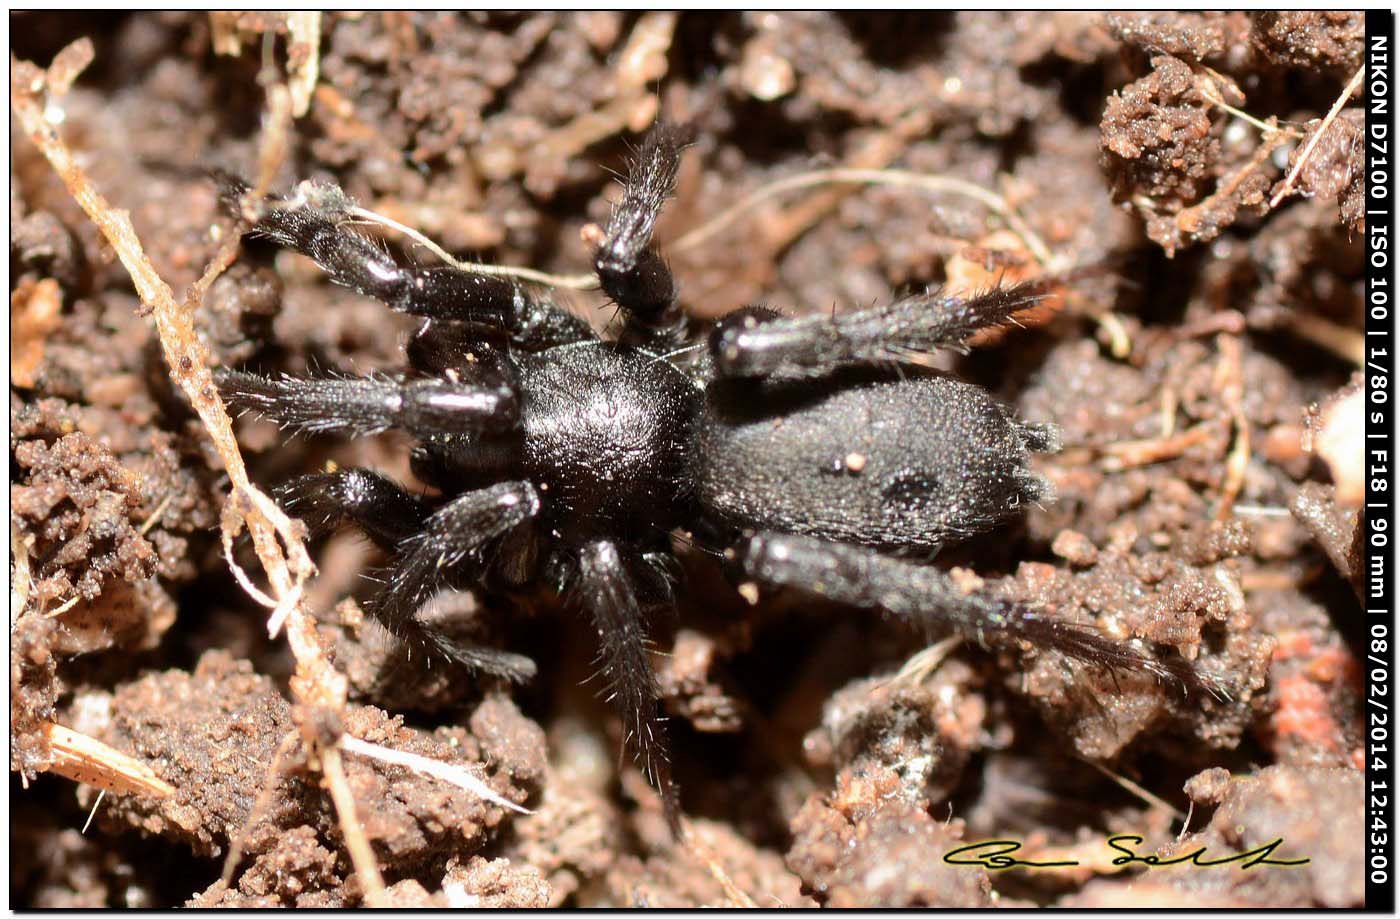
866 844
213 733
1337 529
1167 157
298 871
676 879
34 692
573 838
690 688
1199 36
1190 601
1318 815
78 500
1333 169
494 884
1205 506
1310 39
1158 135
1315 684
924 732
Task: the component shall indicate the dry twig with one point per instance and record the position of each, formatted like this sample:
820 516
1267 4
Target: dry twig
936 184
90 761
1129 454
303 44
276 540
1287 187
366 867
1230 375
21 576
640 62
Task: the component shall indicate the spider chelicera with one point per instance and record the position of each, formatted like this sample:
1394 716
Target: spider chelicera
797 446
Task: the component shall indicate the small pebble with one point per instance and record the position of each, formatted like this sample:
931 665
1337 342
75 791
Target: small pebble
1075 548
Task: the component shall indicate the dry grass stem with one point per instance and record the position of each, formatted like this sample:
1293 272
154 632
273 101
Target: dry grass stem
1287 187
572 281
21 576
927 182
303 44
447 772
1231 380
1128 454
1344 341
276 539
90 761
366 867
712 864
1133 788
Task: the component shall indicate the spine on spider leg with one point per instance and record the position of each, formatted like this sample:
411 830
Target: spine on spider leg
433 644
1007 621
629 268
928 597
316 221
751 346
369 405
382 509
630 686
454 534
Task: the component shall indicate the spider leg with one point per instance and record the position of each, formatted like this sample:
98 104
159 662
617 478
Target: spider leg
376 505
457 531
315 221
927 596
390 516
748 343
605 587
629 268
368 405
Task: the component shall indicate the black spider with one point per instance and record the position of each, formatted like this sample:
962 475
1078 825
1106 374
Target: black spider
795 444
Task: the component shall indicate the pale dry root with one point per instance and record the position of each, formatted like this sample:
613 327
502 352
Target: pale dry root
319 689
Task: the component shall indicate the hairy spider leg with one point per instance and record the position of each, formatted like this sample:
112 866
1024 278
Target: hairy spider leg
629 267
393 519
605 588
368 405
316 222
927 596
373 503
449 537
756 343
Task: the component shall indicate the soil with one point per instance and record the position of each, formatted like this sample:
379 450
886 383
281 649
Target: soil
1193 356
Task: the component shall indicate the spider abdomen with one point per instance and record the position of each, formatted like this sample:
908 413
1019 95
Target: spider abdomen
606 434
913 463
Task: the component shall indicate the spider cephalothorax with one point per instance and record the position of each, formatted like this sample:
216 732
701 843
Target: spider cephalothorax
792 444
